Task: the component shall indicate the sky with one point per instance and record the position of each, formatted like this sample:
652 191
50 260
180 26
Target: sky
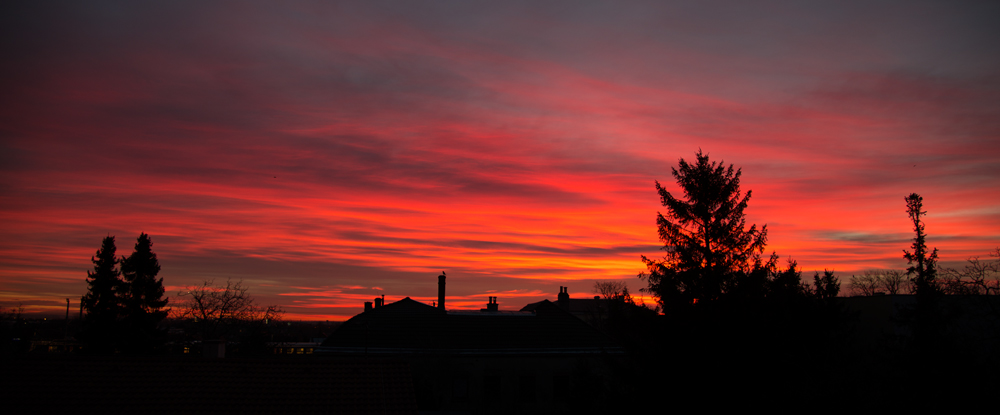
326 153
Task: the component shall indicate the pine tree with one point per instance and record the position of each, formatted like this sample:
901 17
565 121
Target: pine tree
785 285
104 285
142 300
728 309
102 301
827 286
709 249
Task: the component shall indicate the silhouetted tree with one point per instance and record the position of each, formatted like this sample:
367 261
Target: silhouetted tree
730 312
893 281
923 267
102 301
979 277
104 284
787 284
879 281
220 311
142 299
928 318
708 247
621 317
868 283
979 285
827 286
614 291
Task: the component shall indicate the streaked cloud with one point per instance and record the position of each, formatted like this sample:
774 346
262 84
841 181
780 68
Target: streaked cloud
325 152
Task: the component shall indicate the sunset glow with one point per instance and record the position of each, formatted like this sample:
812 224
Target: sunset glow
327 154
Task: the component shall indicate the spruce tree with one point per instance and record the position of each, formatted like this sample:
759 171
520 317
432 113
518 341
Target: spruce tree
142 300
709 249
102 301
827 286
728 309
104 285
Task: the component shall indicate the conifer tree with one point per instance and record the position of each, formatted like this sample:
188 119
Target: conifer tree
827 286
727 307
928 318
104 285
103 302
923 267
708 246
142 300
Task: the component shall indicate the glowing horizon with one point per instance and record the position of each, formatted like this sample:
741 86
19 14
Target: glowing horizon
330 153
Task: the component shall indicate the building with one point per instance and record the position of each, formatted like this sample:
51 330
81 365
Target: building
485 361
587 309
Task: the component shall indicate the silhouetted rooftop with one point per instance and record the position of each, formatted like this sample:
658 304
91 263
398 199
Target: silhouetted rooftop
408 326
579 307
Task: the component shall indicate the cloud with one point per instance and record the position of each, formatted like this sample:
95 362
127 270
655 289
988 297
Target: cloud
350 149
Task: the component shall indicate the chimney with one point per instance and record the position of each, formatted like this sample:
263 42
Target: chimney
368 306
441 290
379 301
563 295
492 305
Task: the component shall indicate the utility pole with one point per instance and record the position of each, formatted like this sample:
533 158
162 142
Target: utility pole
66 334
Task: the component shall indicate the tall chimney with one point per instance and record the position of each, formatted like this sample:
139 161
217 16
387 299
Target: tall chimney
441 290
563 297
368 306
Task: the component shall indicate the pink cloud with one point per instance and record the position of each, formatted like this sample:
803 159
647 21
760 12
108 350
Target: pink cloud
327 162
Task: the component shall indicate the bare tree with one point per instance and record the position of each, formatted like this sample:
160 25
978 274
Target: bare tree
613 290
979 277
893 281
880 281
218 310
12 314
868 283
979 283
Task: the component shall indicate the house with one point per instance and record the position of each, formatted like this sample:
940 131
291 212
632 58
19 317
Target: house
482 361
586 309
